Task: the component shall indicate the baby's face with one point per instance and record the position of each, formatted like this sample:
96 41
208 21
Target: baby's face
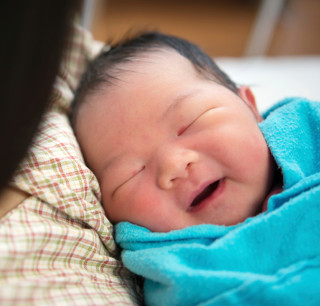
172 149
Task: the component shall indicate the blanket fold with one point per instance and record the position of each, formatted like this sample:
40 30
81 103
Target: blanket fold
270 259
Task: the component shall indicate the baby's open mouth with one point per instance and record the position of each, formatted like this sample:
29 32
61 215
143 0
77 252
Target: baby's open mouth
205 194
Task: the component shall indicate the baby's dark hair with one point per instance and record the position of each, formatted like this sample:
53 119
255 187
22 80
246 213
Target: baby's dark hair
104 69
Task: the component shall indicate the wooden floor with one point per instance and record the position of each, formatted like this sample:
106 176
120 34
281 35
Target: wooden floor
222 28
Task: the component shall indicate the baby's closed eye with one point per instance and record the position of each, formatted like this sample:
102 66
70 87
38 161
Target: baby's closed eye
186 127
131 176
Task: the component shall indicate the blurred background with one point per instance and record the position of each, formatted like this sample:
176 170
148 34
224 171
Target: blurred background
222 28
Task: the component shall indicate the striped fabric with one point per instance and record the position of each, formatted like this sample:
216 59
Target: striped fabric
56 247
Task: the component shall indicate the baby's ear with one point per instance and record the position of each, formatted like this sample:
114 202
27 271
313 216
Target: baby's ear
248 97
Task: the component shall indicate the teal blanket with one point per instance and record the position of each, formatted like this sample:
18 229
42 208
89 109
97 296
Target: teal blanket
270 259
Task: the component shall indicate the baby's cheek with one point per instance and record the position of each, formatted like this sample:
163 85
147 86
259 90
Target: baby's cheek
147 201
260 152
113 215
117 208
143 203
260 165
153 209
251 154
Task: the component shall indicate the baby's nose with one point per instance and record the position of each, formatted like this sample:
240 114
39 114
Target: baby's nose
174 164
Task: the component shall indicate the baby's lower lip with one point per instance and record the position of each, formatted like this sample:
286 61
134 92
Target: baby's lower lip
213 195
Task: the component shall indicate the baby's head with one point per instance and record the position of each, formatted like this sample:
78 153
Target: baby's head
171 139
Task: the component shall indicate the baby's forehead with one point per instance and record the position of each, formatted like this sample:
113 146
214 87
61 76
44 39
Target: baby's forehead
152 71
159 56
158 63
149 75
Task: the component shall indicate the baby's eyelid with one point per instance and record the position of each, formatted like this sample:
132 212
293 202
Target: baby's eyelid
127 180
184 128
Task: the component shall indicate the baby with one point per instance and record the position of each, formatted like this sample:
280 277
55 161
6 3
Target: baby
179 149
172 140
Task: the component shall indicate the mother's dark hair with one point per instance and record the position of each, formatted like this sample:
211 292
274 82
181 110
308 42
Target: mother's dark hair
34 34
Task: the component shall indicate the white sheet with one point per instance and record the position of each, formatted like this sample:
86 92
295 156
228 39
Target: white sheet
274 78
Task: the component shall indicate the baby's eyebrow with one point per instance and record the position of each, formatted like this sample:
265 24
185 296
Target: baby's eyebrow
177 102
